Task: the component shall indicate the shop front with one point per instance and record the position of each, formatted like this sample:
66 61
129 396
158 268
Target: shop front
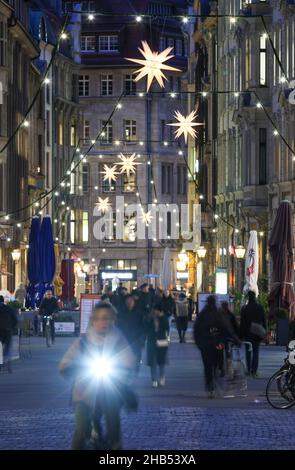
114 272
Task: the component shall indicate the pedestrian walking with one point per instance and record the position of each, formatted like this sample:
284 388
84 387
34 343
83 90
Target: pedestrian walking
168 304
8 322
157 328
94 398
209 330
20 294
181 316
131 325
252 330
231 318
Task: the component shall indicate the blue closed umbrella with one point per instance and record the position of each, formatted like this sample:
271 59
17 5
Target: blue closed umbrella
33 261
46 256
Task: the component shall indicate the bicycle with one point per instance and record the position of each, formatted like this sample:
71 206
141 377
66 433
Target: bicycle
48 336
280 389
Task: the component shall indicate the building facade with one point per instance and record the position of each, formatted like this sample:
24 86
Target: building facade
138 126
245 167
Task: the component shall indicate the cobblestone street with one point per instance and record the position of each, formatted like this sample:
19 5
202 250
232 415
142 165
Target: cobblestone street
35 411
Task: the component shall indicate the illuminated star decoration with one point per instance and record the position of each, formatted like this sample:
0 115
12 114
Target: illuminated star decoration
128 164
103 205
109 173
146 217
153 64
185 125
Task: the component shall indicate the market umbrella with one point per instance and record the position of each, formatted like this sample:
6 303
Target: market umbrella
46 257
251 265
281 243
33 262
166 274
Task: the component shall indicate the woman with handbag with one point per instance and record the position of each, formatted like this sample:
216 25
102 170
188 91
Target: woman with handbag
157 328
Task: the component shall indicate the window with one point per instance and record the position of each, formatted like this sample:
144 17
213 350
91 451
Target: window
181 179
86 130
262 155
106 85
47 128
72 227
178 47
61 131
83 85
88 43
85 234
129 183
108 43
262 61
129 85
85 178
3 42
87 6
107 133
73 135
170 42
166 179
162 44
130 130
130 228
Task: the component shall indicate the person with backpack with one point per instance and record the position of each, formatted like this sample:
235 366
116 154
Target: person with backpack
253 331
181 316
102 363
209 331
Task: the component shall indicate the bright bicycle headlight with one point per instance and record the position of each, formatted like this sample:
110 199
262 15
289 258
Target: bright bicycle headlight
101 367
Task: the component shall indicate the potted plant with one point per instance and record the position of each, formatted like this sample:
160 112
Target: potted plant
282 323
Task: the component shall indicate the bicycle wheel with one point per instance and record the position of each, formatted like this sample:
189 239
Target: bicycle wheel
48 336
279 390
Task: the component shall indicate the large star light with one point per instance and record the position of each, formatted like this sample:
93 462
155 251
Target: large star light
109 173
153 64
185 125
128 164
146 217
103 205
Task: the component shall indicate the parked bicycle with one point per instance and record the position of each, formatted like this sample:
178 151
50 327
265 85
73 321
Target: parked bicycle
280 390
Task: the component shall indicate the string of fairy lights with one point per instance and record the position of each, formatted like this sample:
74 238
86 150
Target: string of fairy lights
185 125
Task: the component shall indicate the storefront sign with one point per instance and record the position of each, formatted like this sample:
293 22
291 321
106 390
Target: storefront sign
87 302
122 276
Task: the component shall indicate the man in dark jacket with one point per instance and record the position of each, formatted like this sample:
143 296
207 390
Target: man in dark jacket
209 330
130 323
168 305
48 307
8 321
252 320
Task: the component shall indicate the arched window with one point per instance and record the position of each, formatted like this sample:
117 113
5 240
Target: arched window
42 30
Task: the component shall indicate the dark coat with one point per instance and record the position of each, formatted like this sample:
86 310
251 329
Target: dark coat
168 305
130 323
144 303
156 354
48 306
8 318
252 312
211 327
231 318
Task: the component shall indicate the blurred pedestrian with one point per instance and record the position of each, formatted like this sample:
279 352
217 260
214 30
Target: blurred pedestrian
209 330
252 330
181 316
168 304
8 322
157 327
20 294
131 325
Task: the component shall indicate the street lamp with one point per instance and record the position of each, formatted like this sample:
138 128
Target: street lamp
201 251
240 251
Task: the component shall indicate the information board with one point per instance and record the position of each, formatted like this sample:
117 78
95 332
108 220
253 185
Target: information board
87 302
